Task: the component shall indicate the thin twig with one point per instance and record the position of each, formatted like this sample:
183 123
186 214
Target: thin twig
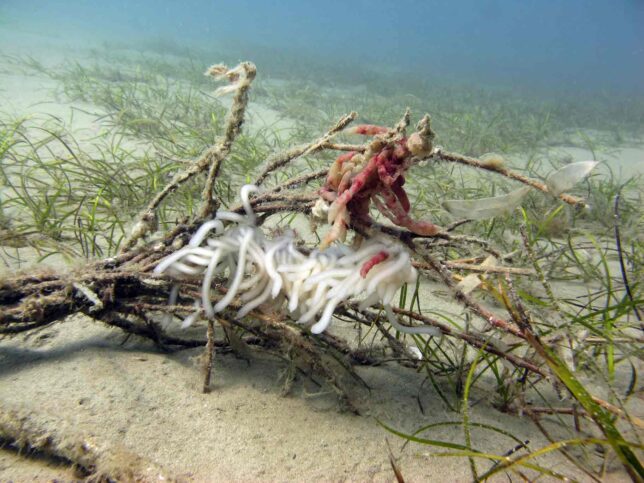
478 268
476 163
209 356
477 308
283 159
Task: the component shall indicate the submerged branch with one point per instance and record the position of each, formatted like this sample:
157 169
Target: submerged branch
503 171
99 461
123 291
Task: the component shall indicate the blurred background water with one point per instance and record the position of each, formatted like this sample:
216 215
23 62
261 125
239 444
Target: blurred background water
563 45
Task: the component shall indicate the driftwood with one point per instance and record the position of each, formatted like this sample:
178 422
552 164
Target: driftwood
122 291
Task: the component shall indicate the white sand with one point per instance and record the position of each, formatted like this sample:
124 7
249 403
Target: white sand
89 380
82 374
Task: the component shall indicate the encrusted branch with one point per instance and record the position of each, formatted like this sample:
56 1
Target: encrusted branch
503 171
123 292
99 461
110 290
283 159
210 159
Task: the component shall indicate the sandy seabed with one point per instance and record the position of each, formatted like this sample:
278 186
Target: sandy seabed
90 380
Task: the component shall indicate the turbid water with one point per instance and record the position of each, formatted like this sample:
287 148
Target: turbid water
89 382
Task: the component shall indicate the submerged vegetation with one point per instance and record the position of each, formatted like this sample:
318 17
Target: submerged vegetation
548 322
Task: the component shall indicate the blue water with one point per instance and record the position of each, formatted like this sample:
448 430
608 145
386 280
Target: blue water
568 44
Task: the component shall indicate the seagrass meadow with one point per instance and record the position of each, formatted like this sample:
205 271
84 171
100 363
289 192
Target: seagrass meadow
304 269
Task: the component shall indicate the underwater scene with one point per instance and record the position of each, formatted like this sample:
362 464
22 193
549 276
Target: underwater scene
321 241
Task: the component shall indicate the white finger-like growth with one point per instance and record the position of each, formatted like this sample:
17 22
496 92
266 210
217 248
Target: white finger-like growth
231 251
